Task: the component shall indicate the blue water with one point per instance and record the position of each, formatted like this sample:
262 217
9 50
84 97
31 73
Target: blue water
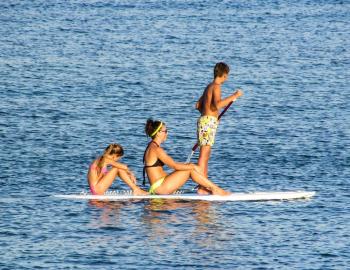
78 75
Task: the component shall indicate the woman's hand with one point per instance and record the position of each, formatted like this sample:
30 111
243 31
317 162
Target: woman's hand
198 169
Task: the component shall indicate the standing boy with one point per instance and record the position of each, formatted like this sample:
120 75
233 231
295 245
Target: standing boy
209 105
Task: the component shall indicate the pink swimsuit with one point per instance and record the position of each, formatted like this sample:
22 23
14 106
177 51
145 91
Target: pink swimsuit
104 171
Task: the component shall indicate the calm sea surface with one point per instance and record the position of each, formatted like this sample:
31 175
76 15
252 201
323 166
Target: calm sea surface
78 75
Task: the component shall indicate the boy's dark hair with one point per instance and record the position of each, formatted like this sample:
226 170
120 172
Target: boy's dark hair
220 69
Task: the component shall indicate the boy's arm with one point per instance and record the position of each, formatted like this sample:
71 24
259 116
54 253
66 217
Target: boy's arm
199 104
221 103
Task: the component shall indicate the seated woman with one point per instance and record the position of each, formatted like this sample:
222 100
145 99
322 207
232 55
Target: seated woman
100 178
155 158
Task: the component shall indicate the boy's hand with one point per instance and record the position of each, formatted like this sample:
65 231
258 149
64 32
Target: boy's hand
237 94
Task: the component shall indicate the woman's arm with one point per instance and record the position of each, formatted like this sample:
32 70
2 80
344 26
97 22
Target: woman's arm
163 156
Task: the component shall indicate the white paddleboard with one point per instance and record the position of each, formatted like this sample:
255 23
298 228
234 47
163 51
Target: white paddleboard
255 196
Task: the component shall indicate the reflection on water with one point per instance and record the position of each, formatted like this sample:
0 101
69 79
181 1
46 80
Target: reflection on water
161 221
111 213
155 210
160 216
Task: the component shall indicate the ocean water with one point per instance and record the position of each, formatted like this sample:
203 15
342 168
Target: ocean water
78 75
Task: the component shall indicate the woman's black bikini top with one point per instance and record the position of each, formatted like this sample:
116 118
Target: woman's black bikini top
158 163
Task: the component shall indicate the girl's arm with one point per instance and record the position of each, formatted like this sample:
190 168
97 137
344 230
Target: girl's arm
163 156
118 165
123 167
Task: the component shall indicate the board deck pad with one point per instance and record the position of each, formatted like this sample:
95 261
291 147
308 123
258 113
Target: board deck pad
253 196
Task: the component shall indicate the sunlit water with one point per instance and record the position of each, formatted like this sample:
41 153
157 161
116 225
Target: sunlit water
78 75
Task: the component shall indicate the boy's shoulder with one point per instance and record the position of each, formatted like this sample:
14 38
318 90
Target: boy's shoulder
214 86
211 87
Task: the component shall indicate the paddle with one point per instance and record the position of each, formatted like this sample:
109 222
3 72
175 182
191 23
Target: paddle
194 148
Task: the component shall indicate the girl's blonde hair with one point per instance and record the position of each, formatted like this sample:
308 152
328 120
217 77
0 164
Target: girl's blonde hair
112 149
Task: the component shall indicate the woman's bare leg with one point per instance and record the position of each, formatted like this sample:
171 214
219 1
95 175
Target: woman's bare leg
207 184
177 179
173 182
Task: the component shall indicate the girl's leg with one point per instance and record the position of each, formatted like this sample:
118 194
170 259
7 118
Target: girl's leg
126 178
106 181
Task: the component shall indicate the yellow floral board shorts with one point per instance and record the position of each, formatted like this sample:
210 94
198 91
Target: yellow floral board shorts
206 130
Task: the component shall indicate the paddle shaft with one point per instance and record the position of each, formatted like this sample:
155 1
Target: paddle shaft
194 148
